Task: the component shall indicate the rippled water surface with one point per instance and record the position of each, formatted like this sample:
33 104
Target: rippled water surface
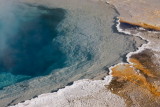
46 45
28 49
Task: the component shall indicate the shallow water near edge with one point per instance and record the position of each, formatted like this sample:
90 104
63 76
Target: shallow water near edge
87 44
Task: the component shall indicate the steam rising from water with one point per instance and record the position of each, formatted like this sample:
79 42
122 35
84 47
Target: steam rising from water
83 45
26 46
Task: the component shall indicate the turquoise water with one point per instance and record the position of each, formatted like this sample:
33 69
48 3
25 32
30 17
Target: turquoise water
28 48
47 44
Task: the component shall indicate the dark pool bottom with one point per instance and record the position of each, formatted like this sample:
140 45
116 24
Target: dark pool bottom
31 51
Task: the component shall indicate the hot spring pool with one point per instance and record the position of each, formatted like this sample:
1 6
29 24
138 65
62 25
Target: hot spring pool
46 45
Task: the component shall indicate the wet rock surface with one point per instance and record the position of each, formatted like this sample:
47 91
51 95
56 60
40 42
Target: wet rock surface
144 13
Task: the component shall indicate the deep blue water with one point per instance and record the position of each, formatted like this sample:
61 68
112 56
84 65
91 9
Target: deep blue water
28 48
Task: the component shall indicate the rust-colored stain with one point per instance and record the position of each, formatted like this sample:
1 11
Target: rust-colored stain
135 73
141 24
